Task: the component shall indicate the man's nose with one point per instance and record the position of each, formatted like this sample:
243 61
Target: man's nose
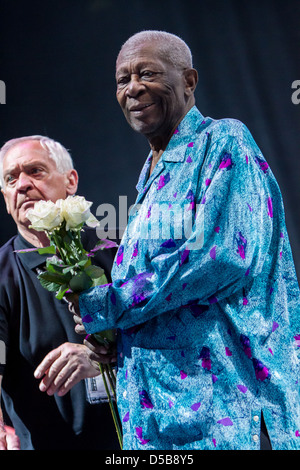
134 87
24 182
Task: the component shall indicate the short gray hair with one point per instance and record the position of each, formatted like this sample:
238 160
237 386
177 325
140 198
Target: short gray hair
172 47
56 151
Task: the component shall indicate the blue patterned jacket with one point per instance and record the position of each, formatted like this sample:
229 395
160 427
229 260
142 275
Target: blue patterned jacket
206 299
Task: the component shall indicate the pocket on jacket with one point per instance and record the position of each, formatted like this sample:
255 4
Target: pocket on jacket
170 395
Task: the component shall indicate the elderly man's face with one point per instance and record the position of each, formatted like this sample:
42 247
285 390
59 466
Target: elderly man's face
30 175
150 91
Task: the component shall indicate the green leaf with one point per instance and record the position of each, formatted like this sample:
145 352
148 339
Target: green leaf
83 261
61 292
55 268
55 260
105 337
52 281
97 275
47 250
55 265
94 271
80 282
99 281
50 286
68 269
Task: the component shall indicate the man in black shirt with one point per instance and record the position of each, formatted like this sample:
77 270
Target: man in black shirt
33 323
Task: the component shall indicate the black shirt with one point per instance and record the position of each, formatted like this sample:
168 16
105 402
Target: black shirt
32 323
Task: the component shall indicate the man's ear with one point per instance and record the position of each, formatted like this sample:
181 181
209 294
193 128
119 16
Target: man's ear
191 80
72 182
5 199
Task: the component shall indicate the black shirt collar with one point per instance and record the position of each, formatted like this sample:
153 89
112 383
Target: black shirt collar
31 259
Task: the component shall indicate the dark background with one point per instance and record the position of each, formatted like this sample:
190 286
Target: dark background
57 59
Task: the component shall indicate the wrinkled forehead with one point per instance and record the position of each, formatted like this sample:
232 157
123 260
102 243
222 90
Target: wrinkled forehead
143 50
25 151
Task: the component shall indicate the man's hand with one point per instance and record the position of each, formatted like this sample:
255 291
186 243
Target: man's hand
79 327
73 306
66 365
107 355
8 439
73 302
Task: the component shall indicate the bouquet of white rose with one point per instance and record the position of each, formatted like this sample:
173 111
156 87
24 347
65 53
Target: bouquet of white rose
70 268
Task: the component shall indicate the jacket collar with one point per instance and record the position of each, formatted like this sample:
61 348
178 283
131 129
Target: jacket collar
176 149
32 259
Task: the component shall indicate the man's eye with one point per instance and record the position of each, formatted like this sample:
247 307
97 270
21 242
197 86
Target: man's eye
147 74
36 171
122 81
10 179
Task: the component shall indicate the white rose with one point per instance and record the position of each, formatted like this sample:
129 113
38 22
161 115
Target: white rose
75 210
45 216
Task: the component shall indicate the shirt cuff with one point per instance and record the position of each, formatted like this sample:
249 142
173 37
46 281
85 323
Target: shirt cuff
91 303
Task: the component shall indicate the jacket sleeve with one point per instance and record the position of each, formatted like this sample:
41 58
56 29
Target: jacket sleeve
239 212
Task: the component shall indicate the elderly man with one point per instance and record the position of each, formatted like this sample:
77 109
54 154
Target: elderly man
204 290
37 329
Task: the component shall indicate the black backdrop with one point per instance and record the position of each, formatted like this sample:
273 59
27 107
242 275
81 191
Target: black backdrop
57 60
